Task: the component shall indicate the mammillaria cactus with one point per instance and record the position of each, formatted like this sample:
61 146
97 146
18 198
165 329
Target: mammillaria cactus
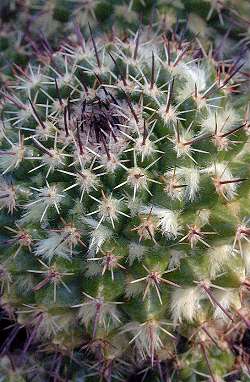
124 201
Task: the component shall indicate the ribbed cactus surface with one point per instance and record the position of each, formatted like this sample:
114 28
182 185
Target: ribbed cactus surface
125 207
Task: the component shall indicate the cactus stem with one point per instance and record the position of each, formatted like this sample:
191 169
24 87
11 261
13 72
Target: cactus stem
88 129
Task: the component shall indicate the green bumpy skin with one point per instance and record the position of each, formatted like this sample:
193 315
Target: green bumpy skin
124 202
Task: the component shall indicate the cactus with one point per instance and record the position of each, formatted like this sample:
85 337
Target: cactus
124 198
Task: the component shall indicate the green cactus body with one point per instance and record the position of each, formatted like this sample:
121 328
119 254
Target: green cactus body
124 202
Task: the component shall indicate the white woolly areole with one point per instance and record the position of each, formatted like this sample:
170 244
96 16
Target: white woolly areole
54 160
220 172
185 303
144 147
109 208
7 196
112 163
225 119
87 180
137 178
202 217
175 259
46 197
168 220
228 298
178 69
136 252
192 179
134 289
195 77
33 79
218 256
99 234
108 313
168 116
50 326
43 133
11 159
146 336
58 244
246 257
180 146
93 268
189 176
